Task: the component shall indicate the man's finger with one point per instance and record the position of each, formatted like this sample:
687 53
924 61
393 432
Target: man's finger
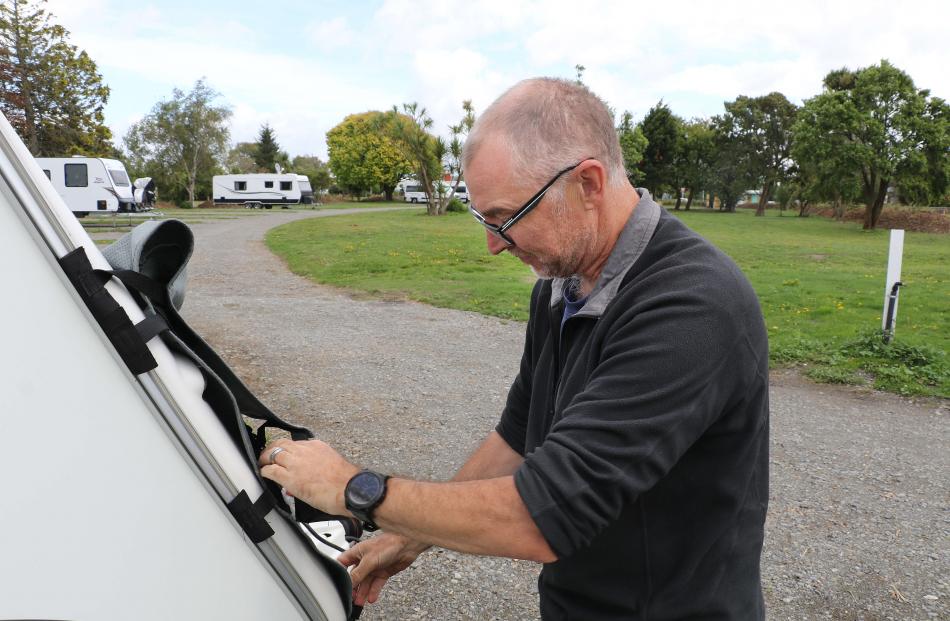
376 588
264 458
276 474
351 556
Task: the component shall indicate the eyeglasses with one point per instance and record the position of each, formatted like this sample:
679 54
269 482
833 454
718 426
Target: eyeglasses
499 230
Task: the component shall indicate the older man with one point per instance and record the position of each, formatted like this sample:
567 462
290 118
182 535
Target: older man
632 455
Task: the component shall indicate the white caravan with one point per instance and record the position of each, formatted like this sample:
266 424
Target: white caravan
306 191
89 184
119 487
413 192
258 189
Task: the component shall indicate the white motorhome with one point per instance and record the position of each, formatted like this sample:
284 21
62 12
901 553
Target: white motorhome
413 192
133 499
259 189
90 184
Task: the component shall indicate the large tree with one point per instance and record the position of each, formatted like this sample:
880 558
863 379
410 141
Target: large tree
633 145
873 124
695 156
730 172
267 152
364 155
183 141
761 127
242 159
50 91
662 130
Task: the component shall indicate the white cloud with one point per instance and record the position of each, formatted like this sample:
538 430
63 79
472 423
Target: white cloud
331 34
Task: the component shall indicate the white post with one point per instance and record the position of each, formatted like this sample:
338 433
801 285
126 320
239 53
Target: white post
893 275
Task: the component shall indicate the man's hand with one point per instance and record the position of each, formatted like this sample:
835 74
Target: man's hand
311 471
377 560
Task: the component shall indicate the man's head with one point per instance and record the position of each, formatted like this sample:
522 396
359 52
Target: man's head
535 130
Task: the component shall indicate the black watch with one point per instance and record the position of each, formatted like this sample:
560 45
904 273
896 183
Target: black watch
363 493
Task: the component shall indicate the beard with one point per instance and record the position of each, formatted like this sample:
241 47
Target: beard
566 263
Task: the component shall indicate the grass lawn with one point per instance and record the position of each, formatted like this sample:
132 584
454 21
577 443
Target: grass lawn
821 283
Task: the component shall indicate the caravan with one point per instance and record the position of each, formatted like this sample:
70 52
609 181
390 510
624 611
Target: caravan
89 184
260 189
136 492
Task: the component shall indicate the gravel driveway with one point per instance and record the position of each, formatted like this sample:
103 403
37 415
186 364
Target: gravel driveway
859 520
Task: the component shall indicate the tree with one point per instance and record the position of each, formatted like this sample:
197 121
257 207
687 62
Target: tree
762 128
363 154
183 140
459 133
633 144
873 124
267 152
729 174
425 152
241 159
315 170
662 130
51 92
695 156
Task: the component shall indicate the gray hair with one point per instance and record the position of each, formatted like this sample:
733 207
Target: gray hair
549 124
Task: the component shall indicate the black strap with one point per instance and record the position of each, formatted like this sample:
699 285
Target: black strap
151 326
107 312
251 515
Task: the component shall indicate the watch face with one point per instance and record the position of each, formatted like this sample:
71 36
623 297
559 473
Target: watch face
365 488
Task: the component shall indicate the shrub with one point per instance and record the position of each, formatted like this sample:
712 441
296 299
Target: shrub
456 206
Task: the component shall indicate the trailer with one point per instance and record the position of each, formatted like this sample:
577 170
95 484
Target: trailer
258 190
127 495
90 184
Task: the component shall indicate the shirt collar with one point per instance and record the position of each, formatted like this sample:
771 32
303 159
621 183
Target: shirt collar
633 240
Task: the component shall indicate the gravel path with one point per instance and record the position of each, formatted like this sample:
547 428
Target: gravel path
859 520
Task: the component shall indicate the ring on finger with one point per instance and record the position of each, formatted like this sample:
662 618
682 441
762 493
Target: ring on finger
272 457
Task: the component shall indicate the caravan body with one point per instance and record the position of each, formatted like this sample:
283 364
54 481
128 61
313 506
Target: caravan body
257 190
89 184
306 191
117 486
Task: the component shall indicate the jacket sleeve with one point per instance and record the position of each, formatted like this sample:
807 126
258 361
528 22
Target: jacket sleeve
514 418
665 374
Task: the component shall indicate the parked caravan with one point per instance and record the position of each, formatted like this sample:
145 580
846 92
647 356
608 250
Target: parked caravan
145 193
130 492
258 189
89 184
414 193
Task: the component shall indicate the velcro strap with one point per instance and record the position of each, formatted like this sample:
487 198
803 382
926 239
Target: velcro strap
250 515
107 312
151 326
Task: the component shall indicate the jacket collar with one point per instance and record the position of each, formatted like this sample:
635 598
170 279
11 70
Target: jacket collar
633 240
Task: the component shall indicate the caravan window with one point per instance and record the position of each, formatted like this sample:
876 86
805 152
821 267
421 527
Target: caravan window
77 175
48 176
268 184
240 186
120 178
286 185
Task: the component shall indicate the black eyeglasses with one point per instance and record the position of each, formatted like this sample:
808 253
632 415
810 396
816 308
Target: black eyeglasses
499 230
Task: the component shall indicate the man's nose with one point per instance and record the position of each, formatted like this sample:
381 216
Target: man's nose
495 243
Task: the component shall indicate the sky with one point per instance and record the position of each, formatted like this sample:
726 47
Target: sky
302 66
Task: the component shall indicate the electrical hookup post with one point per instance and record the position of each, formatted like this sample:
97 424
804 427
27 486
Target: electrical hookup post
893 284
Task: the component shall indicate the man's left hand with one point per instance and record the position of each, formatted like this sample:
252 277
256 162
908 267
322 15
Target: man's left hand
311 471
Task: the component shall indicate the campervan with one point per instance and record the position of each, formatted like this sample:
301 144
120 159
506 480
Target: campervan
133 490
414 193
89 184
258 189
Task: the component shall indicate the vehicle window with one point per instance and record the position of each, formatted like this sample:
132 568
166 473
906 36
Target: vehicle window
120 178
240 186
77 175
286 185
268 184
414 188
48 176
461 189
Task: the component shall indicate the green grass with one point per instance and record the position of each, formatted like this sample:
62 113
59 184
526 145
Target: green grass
820 283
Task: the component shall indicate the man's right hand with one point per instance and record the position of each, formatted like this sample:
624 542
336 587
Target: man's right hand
377 560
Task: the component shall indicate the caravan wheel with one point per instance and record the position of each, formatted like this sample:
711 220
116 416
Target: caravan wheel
413 200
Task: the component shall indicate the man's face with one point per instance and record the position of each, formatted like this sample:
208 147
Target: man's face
552 239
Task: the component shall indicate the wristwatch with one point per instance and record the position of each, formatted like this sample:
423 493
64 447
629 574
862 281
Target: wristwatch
364 492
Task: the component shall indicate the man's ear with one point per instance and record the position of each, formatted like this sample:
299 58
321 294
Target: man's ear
593 177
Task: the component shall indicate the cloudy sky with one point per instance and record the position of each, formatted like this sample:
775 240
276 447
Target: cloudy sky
303 65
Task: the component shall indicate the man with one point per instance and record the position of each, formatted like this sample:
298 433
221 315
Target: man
632 455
